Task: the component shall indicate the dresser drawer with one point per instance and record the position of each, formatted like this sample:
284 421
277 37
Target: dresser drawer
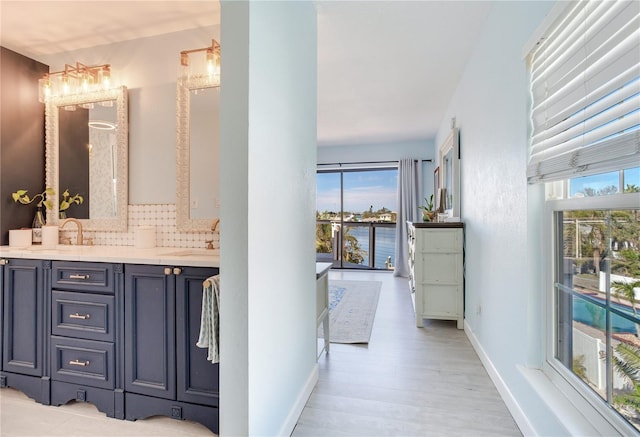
439 241
437 268
82 315
81 276
82 362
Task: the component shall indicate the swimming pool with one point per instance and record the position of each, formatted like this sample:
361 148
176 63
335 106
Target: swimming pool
593 315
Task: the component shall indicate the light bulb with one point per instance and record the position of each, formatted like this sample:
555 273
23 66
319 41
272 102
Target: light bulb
44 89
106 77
65 84
210 62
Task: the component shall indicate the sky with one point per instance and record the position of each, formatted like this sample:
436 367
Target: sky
597 182
362 189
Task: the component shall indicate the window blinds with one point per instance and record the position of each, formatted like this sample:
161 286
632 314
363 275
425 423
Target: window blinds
585 91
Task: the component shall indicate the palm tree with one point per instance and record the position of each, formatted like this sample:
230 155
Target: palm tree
627 292
626 361
632 188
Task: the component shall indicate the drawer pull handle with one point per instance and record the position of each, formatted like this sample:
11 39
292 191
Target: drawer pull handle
78 276
79 363
80 316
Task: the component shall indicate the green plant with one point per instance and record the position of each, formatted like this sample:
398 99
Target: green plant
626 362
68 200
22 196
428 206
579 368
428 213
351 250
626 291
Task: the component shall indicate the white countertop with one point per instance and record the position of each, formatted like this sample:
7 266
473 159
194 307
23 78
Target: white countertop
322 269
174 256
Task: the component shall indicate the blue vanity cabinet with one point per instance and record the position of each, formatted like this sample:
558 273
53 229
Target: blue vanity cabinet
150 331
24 318
165 372
86 324
198 379
3 262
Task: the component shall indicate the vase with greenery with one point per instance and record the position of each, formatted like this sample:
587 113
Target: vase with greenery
428 214
44 199
22 196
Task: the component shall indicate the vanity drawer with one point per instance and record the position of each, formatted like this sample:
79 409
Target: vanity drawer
82 362
81 276
82 315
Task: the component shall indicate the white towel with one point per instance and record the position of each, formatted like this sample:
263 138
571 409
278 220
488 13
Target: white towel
209 321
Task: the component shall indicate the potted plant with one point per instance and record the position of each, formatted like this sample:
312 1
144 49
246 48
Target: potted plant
22 196
428 214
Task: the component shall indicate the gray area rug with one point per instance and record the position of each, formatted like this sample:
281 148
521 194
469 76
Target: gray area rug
352 309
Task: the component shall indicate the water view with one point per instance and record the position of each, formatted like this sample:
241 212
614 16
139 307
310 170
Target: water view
385 244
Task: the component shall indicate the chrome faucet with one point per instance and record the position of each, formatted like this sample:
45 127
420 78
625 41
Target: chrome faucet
79 240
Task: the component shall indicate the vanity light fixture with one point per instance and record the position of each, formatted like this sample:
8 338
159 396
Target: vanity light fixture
74 80
200 68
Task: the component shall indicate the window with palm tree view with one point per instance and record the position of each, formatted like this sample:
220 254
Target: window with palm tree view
597 292
356 217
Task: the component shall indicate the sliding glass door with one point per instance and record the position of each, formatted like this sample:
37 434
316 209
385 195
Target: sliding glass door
356 217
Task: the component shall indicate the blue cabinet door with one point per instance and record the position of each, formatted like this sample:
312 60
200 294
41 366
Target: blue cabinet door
2 262
198 379
149 297
23 317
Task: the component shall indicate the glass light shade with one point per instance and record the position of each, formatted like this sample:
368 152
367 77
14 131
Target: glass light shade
75 81
200 67
44 89
104 78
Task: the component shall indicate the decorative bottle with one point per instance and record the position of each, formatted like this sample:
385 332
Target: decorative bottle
38 222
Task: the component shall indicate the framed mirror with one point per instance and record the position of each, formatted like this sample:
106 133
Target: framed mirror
449 172
87 154
197 154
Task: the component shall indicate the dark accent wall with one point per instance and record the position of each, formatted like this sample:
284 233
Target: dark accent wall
22 144
73 137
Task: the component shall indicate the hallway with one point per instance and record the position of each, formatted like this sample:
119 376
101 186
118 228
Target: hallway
407 381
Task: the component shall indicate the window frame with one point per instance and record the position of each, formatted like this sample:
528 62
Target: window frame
355 168
607 421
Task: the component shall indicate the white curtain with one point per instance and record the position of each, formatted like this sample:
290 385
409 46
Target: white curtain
409 195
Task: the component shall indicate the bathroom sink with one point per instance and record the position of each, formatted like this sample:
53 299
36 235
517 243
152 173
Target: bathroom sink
193 252
58 248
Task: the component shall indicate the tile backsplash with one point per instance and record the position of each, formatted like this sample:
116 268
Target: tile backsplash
162 217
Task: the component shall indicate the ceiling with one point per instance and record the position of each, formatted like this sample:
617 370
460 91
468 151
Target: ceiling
386 69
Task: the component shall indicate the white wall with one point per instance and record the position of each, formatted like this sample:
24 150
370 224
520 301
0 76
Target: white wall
268 147
395 151
502 284
148 67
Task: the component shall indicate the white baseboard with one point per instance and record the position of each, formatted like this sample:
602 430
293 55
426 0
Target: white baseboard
512 405
295 412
